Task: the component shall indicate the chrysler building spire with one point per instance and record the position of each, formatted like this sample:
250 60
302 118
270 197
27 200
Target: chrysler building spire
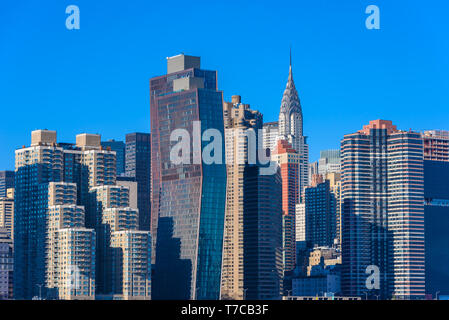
290 117
291 125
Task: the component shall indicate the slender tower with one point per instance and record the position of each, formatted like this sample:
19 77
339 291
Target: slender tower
291 126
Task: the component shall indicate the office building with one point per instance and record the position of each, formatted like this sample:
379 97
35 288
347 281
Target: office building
288 160
329 162
188 199
138 166
291 128
263 243
6 182
325 284
320 214
436 211
270 135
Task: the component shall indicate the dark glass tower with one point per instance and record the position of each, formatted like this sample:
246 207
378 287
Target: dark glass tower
188 200
138 166
6 182
436 210
262 235
321 215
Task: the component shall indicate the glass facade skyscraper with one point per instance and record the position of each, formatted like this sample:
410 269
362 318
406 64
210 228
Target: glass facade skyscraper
320 215
436 209
188 200
6 182
138 166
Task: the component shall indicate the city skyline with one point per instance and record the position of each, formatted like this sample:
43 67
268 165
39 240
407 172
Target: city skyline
364 74
142 159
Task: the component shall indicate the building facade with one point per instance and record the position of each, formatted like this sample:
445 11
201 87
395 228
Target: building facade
7 214
436 145
329 162
270 135
6 265
119 148
65 194
188 198
320 215
138 166
436 209
291 128
288 160
241 126
70 247
383 212
263 242
6 182
131 263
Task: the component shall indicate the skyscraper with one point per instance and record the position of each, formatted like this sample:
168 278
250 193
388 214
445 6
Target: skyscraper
320 215
66 200
36 166
263 247
436 210
188 199
70 247
119 148
329 162
383 212
138 166
270 135
291 127
240 124
288 160
101 214
6 182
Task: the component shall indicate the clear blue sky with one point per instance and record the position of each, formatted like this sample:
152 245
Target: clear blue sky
96 79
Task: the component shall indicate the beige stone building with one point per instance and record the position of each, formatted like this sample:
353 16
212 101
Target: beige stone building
7 213
131 264
76 264
70 247
238 118
323 257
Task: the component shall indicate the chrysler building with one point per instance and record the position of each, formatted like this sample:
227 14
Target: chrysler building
291 127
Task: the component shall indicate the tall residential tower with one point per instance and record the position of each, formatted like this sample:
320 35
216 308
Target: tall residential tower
383 212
